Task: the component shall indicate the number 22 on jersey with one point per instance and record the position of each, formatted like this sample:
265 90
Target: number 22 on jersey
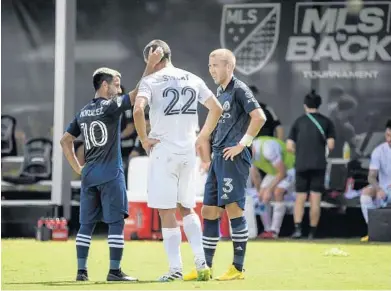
173 108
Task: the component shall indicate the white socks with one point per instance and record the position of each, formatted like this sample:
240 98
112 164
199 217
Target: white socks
366 203
193 231
172 239
266 217
278 216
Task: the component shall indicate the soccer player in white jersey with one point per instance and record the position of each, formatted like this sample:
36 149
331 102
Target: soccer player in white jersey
172 96
378 192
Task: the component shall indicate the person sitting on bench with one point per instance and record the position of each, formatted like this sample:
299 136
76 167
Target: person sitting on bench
378 192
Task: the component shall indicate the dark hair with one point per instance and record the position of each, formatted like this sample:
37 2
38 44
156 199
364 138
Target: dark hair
254 89
99 78
312 100
154 44
388 124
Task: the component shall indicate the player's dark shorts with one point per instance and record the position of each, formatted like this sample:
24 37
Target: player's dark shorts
310 181
107 202
227 180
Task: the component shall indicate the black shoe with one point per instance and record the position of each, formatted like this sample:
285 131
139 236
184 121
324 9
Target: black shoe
82 275
297 234
118 275
311 235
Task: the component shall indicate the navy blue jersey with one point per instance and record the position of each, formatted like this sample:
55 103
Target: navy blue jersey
237 101
99 124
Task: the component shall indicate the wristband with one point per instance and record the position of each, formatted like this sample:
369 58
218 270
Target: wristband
246 140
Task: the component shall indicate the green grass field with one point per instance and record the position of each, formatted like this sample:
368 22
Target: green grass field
27 264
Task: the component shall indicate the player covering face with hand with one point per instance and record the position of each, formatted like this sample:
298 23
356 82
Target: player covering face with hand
172 95
229 170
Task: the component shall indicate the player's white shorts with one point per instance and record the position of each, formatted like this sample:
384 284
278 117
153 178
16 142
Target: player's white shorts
288 183
171 179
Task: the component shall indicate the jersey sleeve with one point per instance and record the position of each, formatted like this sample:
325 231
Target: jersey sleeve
144 90
375 160
246 98
74 128
204 92
272 152
118 104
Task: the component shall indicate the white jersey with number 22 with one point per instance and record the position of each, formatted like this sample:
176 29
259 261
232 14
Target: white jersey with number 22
172 95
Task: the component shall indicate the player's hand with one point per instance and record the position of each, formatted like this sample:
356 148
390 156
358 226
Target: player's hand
380 194
154 57
204 167
148 144
79 170
231 152
201 142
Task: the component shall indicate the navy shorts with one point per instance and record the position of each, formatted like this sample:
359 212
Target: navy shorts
107 202
227 180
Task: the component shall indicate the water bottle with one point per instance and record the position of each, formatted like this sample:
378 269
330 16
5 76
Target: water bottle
346 151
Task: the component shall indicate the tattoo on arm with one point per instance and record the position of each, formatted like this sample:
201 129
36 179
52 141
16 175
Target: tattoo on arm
372 178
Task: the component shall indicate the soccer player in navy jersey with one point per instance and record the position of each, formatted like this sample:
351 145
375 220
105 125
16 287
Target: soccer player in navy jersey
103 191
240 122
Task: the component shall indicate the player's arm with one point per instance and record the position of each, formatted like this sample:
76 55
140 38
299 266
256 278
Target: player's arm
256 178
214 113
250 105
208 99
330 136
72 132
258 117
272 153
374 167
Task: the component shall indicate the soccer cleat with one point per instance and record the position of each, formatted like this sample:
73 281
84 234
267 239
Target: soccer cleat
204 274
268 235
231 274
365 238
171 276
118 275
82 275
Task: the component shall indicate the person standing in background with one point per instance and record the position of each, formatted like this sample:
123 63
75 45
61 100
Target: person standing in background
128 137
342 108
309 136
273 125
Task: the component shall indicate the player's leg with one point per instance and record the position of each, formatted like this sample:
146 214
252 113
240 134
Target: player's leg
367 202
279 207
211 213
316 190
191 221
162 195
90 213
266 212
232 196
302 188
115 210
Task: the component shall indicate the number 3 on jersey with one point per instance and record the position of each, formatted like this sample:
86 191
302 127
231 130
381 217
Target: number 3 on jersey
89 134
186 109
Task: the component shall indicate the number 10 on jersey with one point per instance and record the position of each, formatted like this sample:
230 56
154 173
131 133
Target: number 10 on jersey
89 134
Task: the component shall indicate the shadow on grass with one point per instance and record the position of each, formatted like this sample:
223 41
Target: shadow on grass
90 283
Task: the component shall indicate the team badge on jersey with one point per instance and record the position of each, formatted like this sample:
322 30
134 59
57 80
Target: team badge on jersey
251 31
